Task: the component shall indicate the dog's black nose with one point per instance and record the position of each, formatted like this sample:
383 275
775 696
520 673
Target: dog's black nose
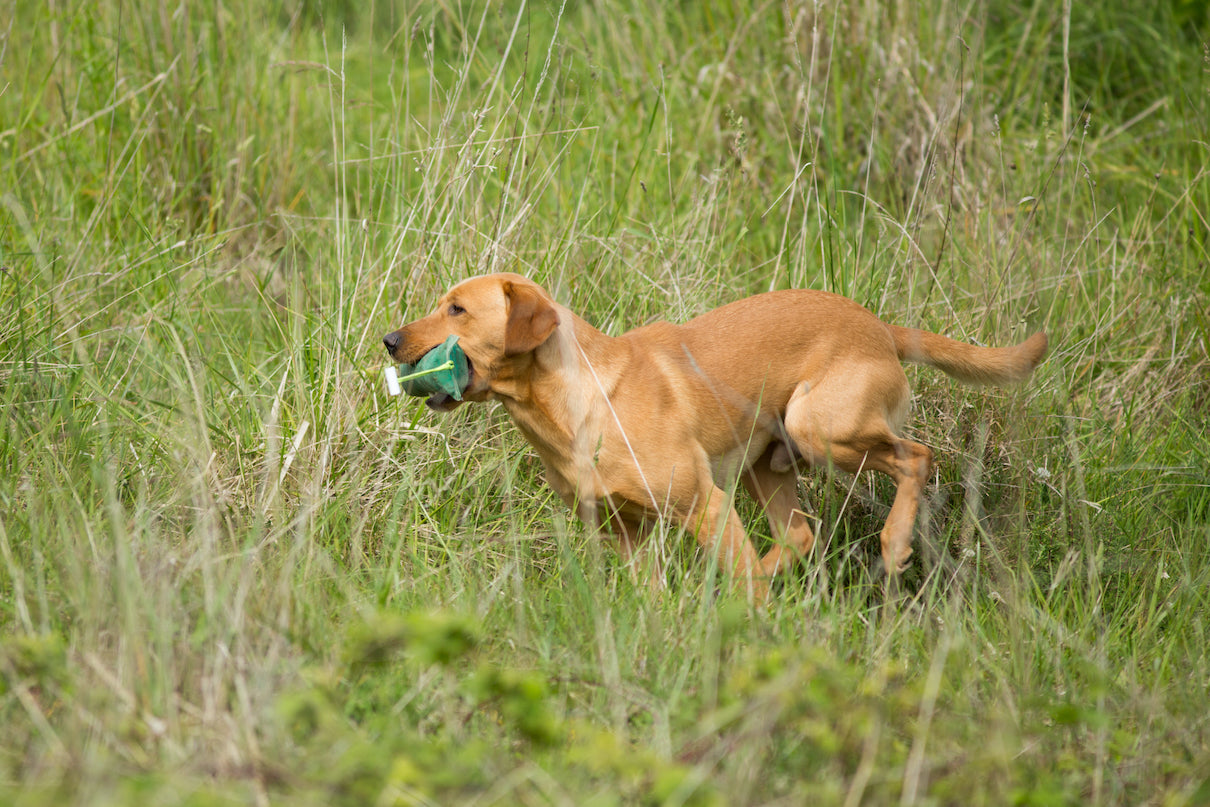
391 340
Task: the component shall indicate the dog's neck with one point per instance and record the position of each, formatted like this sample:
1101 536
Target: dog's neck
552 402
550 396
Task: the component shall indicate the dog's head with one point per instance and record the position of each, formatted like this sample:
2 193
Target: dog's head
499 321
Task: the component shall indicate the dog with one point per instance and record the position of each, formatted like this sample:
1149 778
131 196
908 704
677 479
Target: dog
654 425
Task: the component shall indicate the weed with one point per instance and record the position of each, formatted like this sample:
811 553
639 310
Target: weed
233 571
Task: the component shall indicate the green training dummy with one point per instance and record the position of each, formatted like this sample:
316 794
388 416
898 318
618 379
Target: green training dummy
442 370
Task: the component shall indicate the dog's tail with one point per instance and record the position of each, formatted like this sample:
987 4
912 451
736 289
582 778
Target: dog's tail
970 363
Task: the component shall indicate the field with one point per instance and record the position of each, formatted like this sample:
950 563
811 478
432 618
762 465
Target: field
233 571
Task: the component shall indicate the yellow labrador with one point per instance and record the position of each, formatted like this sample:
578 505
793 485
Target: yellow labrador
644 425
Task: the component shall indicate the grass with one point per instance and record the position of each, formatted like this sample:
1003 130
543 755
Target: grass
233 571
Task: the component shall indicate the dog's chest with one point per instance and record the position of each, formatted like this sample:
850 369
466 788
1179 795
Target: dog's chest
569 455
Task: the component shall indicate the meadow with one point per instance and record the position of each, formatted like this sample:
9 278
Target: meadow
233 571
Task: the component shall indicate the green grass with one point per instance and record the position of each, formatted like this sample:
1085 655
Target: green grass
232 571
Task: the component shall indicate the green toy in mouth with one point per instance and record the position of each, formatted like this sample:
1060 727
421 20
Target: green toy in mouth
443 369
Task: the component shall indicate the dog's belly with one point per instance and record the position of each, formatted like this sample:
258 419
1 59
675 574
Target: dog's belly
727 467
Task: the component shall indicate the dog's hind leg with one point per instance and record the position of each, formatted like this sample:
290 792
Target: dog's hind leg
848 423
777 492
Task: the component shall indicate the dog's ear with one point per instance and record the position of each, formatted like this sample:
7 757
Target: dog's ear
531 319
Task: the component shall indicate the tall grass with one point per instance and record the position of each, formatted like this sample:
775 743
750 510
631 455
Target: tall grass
233 571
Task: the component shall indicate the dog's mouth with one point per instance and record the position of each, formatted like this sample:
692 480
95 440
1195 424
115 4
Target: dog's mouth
443 401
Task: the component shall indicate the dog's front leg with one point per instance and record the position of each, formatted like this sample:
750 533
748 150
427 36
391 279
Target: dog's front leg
717 528
642 561
641 557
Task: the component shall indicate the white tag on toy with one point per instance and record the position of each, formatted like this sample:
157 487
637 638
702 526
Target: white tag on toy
393 387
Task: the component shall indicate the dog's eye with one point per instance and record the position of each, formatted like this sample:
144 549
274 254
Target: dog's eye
456 309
